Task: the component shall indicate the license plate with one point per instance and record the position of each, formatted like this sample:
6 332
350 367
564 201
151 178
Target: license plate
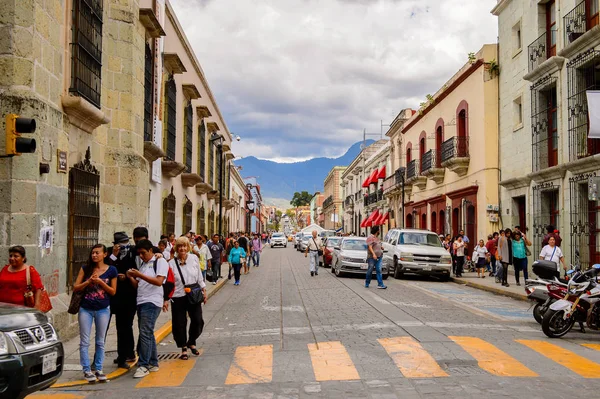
49 362
427 268
364 266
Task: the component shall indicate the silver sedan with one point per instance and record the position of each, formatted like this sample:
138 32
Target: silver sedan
350 256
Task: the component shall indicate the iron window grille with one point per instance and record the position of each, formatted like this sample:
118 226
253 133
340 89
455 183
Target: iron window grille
169 204
148 91
544 123
412 169
580 19
187 215
188 136
201 221
84 214
429 161
583 74
211 165
585 216
202 149
211 223
537 51
546 211
171 118
455 147
86 48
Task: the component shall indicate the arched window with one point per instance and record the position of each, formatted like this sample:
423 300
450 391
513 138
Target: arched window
441 228
170 123
188 137
455 220
408 153
201 222
439 139
409 221
211 223
202 150
462 129
434 222
169 204
422 148
187 215
423 221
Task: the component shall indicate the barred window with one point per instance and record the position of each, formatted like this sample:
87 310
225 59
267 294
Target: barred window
169 204
148 90
202 150
201 222
211 165
211 223
86 48
544 123
188 136
187 215
170 135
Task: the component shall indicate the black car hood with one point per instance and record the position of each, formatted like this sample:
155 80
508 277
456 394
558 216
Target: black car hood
14 317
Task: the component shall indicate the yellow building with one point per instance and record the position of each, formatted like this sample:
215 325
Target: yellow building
333 204
450 151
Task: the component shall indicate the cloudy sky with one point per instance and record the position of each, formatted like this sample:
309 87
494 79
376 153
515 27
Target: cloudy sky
298 79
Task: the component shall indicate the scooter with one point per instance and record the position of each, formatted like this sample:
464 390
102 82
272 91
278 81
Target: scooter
537 291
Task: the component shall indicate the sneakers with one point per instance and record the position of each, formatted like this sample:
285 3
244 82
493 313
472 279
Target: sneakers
214 283
153 369
101 376
236 283
312 274
366 286
382 287
141 372
89 376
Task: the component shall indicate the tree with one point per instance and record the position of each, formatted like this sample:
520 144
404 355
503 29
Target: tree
301 199
290 213
277 220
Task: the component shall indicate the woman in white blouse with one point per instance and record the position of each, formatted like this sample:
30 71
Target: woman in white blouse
553 253
181 307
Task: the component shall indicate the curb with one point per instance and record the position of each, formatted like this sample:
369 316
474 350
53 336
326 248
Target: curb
160 334
493 290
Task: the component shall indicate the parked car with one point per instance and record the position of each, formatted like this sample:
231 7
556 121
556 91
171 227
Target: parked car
325 234
290 238
412 251
278 239
297 239
350 256
304 242
31 355
330 244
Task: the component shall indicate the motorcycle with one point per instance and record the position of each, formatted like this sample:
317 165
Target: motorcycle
580 304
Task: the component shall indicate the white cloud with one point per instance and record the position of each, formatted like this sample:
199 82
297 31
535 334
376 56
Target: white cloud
302 78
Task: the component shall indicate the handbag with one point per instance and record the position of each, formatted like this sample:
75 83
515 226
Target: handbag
195 294
77 297
319 251
29 296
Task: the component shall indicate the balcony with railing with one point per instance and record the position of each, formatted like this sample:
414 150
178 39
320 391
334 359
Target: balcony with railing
580 20
431 166
328 202
538 52
413 174
455 154
349 202
393 183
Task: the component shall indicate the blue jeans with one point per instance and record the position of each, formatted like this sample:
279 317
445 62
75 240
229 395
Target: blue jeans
204 275
520 265
255 258
86 318
148 354
374 264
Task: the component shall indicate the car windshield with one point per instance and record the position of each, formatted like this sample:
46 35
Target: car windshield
354 245
305 238
420 239
332 242
277 235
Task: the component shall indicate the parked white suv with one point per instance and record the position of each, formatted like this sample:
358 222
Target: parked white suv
411 251
278 239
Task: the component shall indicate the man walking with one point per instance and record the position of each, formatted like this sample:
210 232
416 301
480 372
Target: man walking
374 258
243 241
257 247
314 246
216 249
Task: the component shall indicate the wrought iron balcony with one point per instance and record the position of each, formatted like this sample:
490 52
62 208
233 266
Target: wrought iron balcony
580 19
393 183
412 169
349 202
538 52
328 202
431 166
455 154
380 194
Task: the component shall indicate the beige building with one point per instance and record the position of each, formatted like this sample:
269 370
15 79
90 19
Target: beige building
377 168
333 204
449 150
549 57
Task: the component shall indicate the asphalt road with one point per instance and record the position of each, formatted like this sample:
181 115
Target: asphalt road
285 334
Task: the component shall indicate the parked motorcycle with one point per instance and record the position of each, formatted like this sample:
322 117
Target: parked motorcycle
580 304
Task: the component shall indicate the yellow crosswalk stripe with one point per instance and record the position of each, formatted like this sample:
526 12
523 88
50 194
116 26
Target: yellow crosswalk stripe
172 373
578 364
331 362
251 365
492 359
55 396
592 346
410 357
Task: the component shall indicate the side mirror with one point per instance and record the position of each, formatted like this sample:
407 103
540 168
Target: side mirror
385 251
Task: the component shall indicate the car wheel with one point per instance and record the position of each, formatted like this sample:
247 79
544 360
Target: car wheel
385 276
397 273
332 268
445 278
338 272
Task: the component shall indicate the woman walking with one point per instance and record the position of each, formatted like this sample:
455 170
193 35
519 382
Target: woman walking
236 255
505 254
187 300
459 250
13 279
519 256
482 254
98 281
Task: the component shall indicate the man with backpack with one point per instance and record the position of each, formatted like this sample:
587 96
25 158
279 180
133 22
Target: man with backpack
149 281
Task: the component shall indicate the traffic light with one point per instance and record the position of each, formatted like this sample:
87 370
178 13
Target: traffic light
15 126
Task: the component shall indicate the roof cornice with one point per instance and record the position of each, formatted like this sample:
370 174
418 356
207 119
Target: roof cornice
502 4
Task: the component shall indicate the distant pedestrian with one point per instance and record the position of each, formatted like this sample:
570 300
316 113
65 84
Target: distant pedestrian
216 250
162 245
235 257
98 281
228 247
519 256
257 247
459 255
313 247
374 258
505 254
243 241
203 254
492 249
465 238
481 255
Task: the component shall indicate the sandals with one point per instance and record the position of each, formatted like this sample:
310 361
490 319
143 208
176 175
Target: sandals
184 355
195 351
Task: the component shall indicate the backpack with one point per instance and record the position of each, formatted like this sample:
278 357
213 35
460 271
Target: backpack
168 284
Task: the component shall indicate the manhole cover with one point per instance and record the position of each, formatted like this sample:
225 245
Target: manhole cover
168 356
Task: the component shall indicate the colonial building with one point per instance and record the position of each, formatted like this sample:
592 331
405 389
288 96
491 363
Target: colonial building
237 213
254 220
549 57
333 205
316 209
352 179
376 205
449 150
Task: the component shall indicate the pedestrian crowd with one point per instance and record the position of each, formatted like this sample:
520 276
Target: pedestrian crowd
502 250
139 279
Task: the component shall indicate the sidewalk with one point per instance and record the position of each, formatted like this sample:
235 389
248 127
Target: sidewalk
488 284
72 370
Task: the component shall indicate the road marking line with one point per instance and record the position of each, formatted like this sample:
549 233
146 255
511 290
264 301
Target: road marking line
410 357
492 359
172 373
331 362
251 365
592 346
55 396
577 364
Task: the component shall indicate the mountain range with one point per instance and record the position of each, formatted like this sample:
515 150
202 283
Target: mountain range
278 181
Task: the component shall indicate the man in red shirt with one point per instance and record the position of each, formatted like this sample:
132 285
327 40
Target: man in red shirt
492 249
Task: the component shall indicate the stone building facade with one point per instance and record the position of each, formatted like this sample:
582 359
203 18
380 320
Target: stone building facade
376 205
333 204
549 57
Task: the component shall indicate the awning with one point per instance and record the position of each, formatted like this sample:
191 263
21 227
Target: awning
373 217
373 177
381 174
363 224
383 219
366 182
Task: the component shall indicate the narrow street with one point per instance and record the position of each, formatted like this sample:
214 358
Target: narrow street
285 334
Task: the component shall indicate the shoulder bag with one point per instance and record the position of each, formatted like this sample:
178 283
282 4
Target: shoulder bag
77 297
319 250
45 305
195 294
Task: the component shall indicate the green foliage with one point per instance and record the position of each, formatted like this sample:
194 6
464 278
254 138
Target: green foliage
301 198
493 68
472 57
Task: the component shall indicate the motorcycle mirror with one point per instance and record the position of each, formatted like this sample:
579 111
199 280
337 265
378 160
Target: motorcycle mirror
596 266
569 272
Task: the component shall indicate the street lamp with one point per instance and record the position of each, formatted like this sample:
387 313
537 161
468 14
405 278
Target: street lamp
219 138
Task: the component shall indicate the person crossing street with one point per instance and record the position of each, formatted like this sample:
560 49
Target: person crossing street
315 245
374 258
